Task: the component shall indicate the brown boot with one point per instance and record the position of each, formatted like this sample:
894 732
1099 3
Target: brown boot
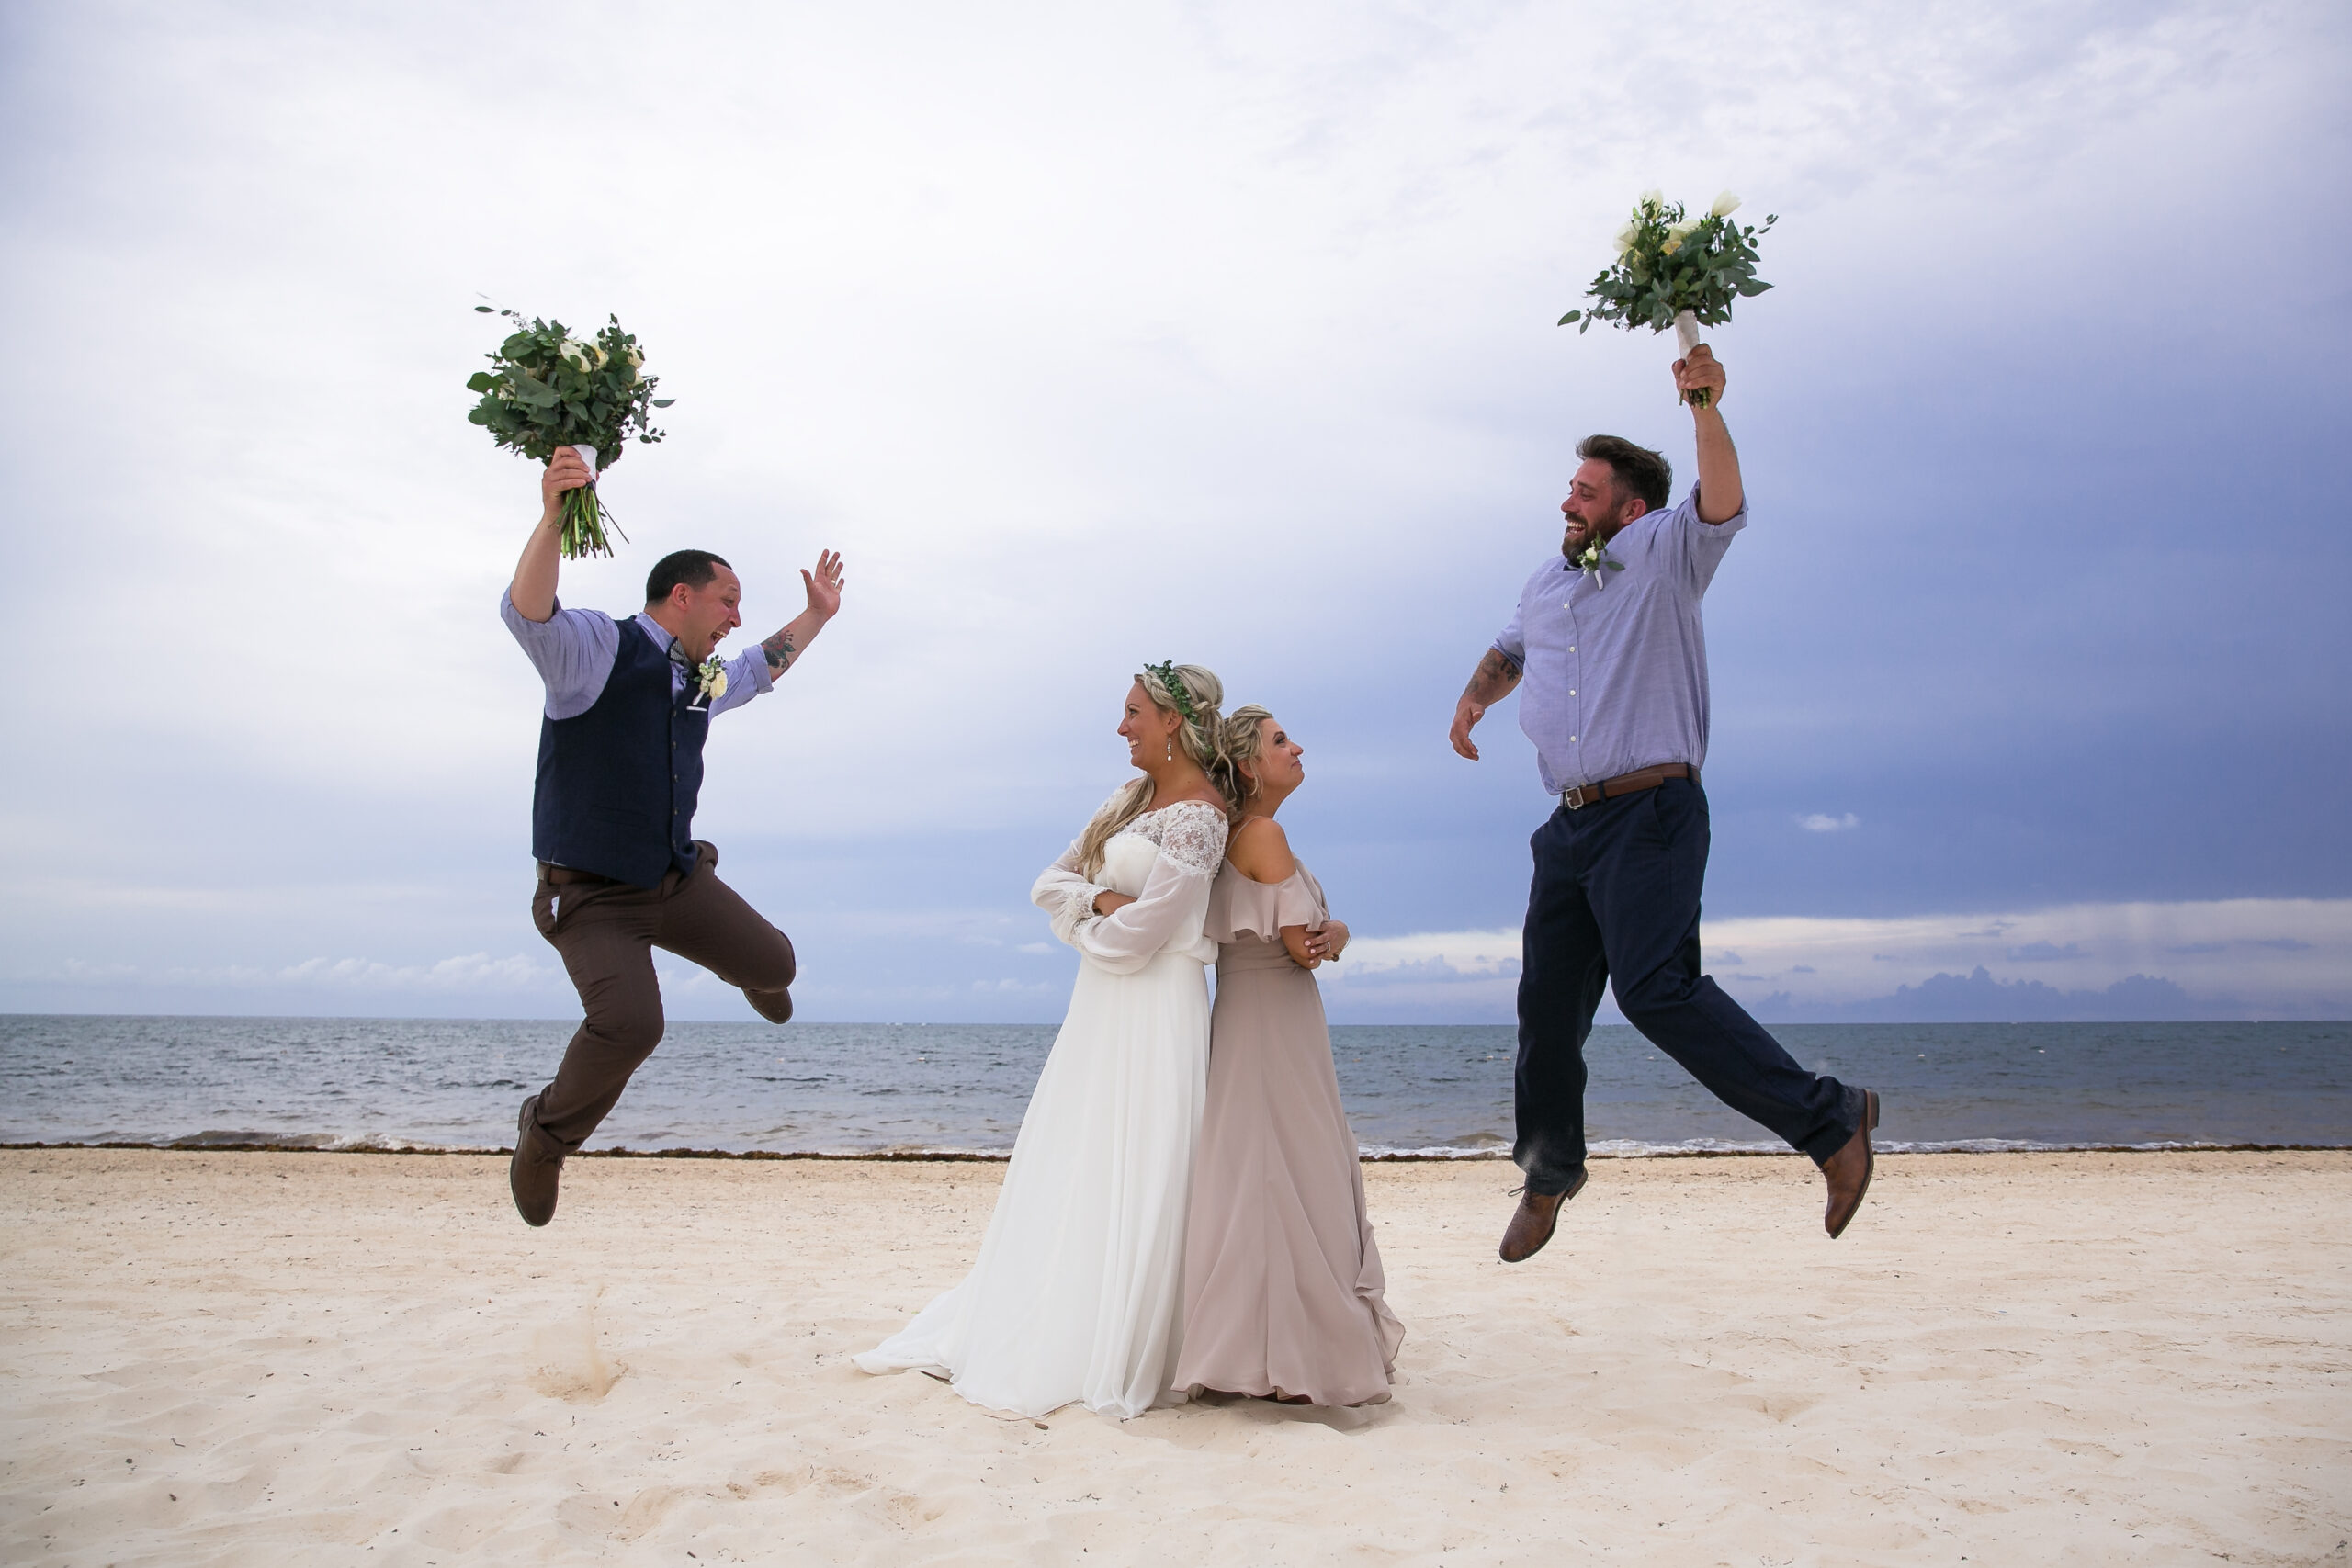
1848 1171
535 1168
1532 1221
774 1006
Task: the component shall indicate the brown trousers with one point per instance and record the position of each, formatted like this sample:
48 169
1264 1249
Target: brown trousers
607 933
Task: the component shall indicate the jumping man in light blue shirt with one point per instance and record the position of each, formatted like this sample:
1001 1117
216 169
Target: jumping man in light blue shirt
1609 655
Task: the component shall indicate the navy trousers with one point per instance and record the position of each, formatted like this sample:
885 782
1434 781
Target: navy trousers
1616 901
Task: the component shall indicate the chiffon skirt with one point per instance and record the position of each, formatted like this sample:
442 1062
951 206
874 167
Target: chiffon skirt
1284 1290
1078 1295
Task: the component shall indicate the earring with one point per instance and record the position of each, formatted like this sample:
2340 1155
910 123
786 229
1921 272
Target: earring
1171 747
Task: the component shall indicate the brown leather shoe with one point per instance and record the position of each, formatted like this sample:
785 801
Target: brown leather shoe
1848 1171
1532 1221
537 1164
774 1006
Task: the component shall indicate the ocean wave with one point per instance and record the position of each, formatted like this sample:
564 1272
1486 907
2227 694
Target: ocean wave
234 1142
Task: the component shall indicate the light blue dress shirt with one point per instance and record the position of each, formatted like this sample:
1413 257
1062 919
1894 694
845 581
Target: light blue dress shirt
1613 666
573 651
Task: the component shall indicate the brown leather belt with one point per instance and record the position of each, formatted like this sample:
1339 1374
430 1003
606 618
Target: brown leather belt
1625 784
565 876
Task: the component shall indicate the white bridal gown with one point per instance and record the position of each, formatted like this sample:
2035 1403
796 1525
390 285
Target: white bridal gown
1079 1292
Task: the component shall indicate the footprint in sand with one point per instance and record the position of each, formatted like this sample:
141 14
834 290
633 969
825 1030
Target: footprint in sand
572 1366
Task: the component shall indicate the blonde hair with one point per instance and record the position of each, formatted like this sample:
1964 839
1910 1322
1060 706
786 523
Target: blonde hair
1241 742
1202 737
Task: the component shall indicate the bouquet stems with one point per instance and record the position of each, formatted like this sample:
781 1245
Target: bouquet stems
583 525
584 516
1686 332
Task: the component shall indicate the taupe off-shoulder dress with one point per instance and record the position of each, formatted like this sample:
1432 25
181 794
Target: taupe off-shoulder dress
1283 1293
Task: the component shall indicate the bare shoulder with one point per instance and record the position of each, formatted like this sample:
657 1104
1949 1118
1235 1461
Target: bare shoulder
1260 851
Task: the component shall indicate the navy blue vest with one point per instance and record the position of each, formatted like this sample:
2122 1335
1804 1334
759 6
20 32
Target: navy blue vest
616 785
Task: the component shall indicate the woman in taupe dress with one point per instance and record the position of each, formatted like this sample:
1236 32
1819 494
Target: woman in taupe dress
1283 1293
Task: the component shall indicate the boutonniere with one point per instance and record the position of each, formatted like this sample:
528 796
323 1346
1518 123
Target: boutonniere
710 679
1593 558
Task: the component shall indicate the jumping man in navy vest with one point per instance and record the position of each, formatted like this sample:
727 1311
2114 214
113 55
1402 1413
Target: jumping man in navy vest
612 817
1615 669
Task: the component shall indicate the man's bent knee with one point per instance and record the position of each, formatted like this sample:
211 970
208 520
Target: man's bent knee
778 968
1661 992
628 1030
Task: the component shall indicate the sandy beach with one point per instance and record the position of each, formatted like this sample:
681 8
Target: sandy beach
2014 1359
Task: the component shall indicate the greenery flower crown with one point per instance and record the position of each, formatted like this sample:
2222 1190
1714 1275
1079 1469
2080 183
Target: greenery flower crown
1165 673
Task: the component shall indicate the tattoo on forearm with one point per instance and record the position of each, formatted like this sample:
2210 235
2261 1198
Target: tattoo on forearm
1493 677
779 653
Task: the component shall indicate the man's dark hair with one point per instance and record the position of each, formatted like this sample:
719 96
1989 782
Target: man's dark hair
693 567
1639 470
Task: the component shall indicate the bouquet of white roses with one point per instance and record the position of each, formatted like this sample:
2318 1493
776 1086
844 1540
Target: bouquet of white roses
546 390
1676 270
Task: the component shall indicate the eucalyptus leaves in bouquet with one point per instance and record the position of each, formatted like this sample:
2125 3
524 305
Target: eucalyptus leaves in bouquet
546 389
1678 271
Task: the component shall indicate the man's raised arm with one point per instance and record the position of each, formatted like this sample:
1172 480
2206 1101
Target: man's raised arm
824 586
533 590
1721 494
1494 679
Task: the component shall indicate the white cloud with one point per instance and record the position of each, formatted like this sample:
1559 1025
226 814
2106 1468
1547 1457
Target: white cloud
472 973
2291 955
1472 955
1819 823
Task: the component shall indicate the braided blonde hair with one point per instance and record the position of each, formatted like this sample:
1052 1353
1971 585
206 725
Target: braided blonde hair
1241 742
1201 735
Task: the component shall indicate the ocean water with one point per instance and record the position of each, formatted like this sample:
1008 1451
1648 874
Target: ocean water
879 1088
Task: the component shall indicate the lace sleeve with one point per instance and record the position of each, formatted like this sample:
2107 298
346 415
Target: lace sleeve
1194 837
1191 843
1067 897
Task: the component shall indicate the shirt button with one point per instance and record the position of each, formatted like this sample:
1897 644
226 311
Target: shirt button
1572 691
1572 648
1571 738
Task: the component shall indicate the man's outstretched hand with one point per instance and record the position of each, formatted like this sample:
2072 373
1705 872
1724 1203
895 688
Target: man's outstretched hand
824 585
1700 370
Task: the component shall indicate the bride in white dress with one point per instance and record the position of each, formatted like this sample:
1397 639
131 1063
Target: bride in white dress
1079 1292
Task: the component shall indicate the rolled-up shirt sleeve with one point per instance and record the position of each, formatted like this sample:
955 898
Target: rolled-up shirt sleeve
1701 544
1512 643
747 677
572 650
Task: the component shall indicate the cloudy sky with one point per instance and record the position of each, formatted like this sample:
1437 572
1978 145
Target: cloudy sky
1095 335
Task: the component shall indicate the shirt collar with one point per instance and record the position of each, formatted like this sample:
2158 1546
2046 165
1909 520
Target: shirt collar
656 630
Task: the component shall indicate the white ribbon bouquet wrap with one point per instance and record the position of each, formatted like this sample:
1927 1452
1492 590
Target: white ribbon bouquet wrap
1686 337
1676 271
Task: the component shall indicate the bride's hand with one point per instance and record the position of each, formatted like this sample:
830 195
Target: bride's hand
1109 903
